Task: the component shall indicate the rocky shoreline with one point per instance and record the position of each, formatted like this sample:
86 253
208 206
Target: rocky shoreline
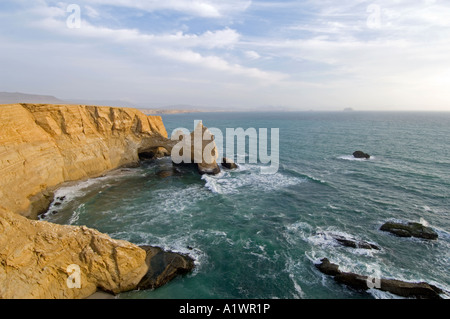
44 146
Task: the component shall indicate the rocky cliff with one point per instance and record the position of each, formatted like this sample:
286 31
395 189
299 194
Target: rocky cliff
41 147
37 260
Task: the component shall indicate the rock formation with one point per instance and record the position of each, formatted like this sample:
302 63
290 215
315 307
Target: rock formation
409 230
354 243
153 154
197 148
41 147
35 260
228 163
421 290
360 154
163 266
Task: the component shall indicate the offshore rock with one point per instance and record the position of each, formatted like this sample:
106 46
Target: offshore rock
228 163
328 268
353 243
420 290
199 149
409 230
360 154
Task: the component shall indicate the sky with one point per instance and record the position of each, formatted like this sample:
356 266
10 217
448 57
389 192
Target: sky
234 54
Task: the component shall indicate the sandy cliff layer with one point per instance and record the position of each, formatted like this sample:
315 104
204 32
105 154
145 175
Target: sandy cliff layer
36 259
42 146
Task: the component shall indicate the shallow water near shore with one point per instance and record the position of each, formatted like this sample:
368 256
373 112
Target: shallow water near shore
258 236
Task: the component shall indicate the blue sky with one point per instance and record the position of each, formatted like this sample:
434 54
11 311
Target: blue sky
320 55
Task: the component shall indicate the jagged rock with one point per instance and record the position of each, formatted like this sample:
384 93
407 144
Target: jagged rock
200 148
421 290
35 257
328 268
355 281
228 163
163 266
360 154
353 243
409 230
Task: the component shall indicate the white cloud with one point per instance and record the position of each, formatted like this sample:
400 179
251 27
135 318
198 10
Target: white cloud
179 46
219 64
252 55
91 12
328 56
201 8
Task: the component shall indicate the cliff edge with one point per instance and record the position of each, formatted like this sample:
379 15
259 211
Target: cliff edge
41 147
41 260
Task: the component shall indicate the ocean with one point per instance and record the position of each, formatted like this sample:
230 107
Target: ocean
258 236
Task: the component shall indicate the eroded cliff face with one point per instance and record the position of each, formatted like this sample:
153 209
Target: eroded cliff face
42 146
37 260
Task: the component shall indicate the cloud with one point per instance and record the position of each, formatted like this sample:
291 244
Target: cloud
349 53
200 8
219 64
252 55
177 47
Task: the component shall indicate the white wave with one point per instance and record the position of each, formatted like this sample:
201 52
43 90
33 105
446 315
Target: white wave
76 215
73 190
298 289
232 182
176 200
379 294
352 158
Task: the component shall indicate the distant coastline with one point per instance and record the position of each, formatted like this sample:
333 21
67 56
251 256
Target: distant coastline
162 111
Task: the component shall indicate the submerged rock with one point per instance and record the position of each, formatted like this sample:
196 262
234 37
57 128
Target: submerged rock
409 230
228 163
360 154
163 266
421 290
166 173
354 243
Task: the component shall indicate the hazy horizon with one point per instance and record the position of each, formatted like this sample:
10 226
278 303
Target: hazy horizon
274 55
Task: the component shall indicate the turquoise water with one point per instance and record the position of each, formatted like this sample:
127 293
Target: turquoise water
258 236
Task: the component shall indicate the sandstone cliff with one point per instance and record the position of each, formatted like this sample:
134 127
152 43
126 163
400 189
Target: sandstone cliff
35 260
42 146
